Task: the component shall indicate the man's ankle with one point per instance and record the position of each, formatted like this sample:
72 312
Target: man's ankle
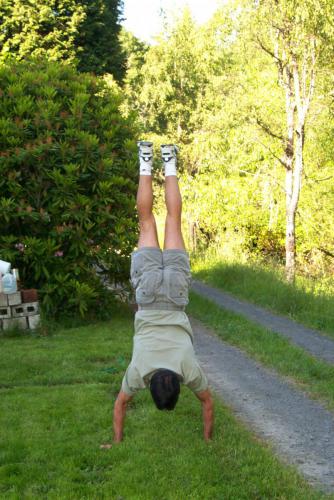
145 152
169 158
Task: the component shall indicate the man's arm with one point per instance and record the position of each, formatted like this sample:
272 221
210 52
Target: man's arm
207 412
119 415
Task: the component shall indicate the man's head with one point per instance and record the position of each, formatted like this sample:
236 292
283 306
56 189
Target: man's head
165 389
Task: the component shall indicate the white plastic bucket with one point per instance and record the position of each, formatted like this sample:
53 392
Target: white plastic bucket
4 267
9 284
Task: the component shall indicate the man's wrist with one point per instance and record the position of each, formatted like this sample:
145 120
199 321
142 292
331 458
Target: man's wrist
207 437
118 435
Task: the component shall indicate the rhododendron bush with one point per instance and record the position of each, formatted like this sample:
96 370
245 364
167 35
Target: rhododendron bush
67 183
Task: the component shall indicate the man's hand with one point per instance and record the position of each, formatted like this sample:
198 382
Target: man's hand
119 415
207 412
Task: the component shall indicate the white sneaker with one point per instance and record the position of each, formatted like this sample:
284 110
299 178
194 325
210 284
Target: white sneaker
169 152
145 150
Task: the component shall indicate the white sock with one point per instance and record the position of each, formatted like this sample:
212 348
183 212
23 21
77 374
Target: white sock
170 167
145 167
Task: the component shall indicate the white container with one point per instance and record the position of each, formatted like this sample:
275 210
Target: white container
4 267
9 283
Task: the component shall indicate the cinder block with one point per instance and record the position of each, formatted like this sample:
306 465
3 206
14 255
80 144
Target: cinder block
14 299
3 299
5 312
27 309
29 295
34 321
21 323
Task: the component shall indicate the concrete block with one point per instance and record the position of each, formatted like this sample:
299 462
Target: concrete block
34 321
3 299
14 299
29 295
5 312
26 309
21 323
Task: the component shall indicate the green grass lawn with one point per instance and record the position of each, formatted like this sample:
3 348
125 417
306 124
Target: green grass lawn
308 301
56 399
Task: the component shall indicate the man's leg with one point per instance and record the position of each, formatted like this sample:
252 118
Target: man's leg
173 232
148 236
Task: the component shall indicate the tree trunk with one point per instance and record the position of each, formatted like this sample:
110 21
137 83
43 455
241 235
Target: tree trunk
290 233
193 235
296 74
292 204
290 246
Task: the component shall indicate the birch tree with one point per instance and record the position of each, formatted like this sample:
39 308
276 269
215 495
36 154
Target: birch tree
295 35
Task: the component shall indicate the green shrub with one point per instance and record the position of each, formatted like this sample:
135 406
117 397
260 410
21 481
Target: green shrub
67 183
260 241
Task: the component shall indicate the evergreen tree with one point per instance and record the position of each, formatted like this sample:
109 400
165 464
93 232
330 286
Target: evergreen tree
84 32
98 41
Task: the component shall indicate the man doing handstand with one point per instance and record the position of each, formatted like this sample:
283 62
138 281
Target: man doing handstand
163 353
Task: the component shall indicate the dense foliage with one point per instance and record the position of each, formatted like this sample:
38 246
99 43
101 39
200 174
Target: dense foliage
215 90
67 182
78 31
223 91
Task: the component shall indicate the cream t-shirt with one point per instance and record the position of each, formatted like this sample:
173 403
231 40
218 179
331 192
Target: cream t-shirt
163 339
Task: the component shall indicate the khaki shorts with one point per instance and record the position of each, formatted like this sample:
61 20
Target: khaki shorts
160 278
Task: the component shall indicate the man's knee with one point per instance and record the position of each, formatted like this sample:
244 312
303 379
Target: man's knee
174 210
144 212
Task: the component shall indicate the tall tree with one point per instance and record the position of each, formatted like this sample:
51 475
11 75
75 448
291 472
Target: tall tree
294 34
84 32
98 41
134 51
171 81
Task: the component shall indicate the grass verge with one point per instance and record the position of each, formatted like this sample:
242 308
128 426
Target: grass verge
308 301
315 377
56 398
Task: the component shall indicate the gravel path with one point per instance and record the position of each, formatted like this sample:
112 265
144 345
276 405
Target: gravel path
310 340
300 429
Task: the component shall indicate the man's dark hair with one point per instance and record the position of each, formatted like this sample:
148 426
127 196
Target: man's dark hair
165 389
